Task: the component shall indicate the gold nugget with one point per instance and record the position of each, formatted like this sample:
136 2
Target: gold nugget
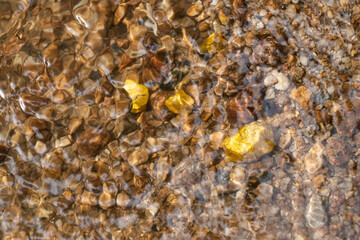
251 142
214 43
179 102
139 95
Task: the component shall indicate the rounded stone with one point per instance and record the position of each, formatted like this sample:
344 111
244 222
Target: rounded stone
314 158
338 151
315 214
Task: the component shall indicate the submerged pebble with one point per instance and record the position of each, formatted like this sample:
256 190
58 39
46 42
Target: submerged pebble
315 213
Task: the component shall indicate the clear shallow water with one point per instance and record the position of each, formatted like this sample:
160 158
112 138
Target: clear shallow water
85 154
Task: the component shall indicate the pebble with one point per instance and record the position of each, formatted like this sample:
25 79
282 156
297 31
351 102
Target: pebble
106 200
122 199
91 141
40 147
315 214
138 157
291 11
62 142
194 9
344 120
265 192
105 63
237 178
317 181
283 82
302 96
314 158
73 125
216 139
337 198
86 16
180 102
30 103
52 164
338 151
270 80
285 140
270 94
304 60
119 13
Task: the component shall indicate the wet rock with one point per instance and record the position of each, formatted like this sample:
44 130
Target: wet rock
314 158
122 199
3 150
303 97
88 198
237 177
270 79
337 151
223 17
138 157
50 54
86 16
266 52
63 142
40 147
239 10
91 141
106 200
52 164
30 103
250 143
265 192
137 32
278 79
119 13
73 125
315 213
216 139
285 140
37 127
194 9
283 82
105 63
344 119
318 181
245 107
270 94
337 198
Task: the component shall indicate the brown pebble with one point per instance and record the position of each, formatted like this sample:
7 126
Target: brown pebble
138 157
106 200
302 96
91 141
338 152
318 181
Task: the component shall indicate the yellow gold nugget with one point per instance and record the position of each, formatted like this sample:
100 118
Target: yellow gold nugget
139 95
251 142
214 43
179 102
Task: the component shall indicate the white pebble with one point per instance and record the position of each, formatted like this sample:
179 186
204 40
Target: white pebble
270 80
283 81
304 60
270 94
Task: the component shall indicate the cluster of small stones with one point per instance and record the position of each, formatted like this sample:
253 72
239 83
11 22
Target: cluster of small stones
75 163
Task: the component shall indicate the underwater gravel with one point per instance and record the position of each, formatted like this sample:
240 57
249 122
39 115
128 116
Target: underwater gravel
113 116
